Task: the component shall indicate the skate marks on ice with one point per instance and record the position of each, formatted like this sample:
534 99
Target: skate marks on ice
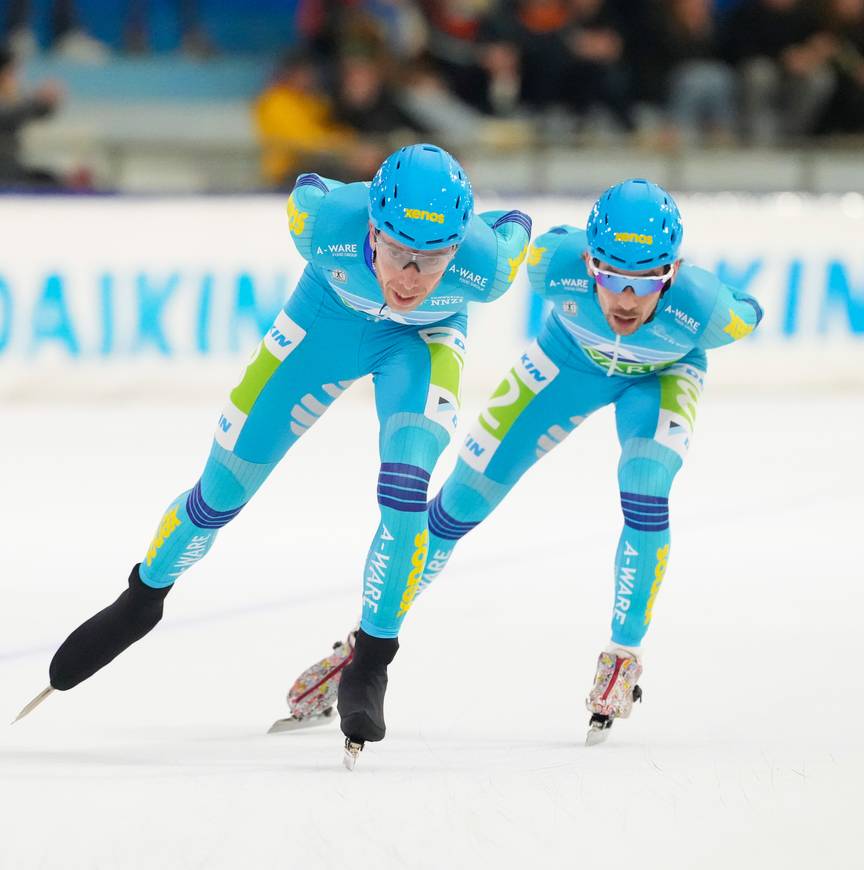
447 798
719 767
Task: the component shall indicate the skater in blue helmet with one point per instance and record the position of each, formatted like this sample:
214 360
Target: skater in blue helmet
391 268
629 325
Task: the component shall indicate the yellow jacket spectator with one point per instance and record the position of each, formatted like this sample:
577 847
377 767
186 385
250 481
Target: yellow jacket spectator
294 121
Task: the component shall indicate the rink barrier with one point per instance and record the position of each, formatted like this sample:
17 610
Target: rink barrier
140 295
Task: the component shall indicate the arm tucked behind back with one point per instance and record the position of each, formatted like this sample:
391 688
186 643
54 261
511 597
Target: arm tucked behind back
305 202
735 316
512 231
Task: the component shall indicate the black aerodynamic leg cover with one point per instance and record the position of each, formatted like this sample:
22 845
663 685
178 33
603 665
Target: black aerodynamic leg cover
363 686
104 636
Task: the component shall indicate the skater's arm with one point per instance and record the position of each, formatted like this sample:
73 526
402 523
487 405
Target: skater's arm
511 233
735 316
555 264
304 204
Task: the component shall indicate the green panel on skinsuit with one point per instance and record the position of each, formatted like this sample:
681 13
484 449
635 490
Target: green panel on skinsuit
680 395
447 364
622 367
502 410
258 372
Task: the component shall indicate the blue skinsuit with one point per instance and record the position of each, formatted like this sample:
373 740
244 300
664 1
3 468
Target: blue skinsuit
334 329
577 365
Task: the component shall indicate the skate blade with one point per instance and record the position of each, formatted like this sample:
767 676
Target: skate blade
29 708
599 727
292 723
352 751
596 736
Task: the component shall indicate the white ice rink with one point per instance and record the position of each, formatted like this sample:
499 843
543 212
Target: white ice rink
747 751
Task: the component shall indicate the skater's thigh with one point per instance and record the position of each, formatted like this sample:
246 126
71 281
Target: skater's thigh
418 384
662 406
541 400
304 362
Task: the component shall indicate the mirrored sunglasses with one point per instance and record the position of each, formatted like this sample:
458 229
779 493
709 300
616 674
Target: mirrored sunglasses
643 285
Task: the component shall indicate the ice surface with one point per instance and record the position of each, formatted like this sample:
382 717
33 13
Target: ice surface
746 752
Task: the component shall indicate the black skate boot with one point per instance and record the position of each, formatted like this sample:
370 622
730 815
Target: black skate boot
361 692
104 636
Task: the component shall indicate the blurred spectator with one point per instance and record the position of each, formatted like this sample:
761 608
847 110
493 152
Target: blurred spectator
317 23
480 64
782 57
65 34
698 89
597 74
535 30
435 108
569 54
364 99
396 28
16 111
401 24
844 26
164 26
300 132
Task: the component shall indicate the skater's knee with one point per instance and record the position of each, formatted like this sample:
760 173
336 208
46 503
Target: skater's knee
403 487
647 467
410 447
227 483
412 439
443 524
205 515
216 490
465 500
188 527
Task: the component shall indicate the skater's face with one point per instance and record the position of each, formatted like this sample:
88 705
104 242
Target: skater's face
627 305
407 276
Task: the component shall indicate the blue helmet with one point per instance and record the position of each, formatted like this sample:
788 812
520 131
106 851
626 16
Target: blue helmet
635 225
422 198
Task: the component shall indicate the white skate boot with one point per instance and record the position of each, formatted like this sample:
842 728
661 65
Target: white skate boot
312 698
614 692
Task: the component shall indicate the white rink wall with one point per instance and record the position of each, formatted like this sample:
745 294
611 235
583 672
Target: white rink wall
166 297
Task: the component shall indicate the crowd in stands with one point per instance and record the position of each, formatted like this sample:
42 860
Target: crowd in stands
361 75
17 109
92 31
670 72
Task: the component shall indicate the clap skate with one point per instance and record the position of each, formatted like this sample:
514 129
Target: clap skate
312 698
613 694
361 694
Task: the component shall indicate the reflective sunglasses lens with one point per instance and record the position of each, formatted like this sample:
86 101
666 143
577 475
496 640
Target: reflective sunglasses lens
647 286
643 286
613 283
